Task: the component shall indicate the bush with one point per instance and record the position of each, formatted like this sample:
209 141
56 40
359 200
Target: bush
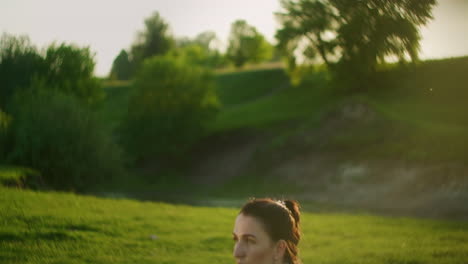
54 134
170 107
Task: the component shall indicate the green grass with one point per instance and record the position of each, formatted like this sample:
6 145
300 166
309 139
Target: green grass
16 176
427 105
10 174
431 92
39 227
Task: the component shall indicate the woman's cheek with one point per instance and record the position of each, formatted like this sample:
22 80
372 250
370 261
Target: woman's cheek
260 253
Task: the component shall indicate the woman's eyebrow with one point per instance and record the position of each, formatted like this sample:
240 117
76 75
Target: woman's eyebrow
245 235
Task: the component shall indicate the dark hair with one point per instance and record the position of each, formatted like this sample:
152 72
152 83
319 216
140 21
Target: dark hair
281 221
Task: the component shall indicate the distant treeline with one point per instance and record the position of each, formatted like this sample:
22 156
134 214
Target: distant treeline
245 45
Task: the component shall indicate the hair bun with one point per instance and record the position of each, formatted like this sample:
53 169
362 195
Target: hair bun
293 207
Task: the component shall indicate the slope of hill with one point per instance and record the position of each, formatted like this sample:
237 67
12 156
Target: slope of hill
400 147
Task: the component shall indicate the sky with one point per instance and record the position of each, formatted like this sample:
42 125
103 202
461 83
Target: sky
108 26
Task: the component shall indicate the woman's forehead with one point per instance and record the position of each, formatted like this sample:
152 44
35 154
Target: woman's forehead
248 225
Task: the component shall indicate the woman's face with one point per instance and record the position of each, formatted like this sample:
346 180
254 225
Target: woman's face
252 244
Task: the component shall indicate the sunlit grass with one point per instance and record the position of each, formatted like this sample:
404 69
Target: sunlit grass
65 228
10 173
14 176
250 67
428 103
284 102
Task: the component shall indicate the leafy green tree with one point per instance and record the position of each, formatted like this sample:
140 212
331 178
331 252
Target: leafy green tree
206 40
193 54
121 67
70 69
200 50
172 103
63 67
352 37
246 44
19 62
155 39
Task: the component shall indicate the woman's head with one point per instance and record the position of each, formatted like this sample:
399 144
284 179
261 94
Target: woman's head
267 231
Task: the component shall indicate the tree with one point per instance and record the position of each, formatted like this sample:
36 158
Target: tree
19 62
352 37
172 103
246 44
200 50
155 39
63 67
206 40
193 54
70 69
121 67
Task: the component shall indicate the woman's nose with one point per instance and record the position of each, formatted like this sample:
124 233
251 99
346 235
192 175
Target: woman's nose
239 250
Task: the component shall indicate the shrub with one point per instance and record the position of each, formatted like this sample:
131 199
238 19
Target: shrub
170 107
54 134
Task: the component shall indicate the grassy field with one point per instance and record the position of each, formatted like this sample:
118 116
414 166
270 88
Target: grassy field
49 227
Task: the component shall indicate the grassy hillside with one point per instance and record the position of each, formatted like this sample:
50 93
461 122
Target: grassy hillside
240 87
427 107
414 112
52 227
414 118
280 103
430 95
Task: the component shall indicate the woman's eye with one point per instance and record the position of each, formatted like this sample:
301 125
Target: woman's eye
251 241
